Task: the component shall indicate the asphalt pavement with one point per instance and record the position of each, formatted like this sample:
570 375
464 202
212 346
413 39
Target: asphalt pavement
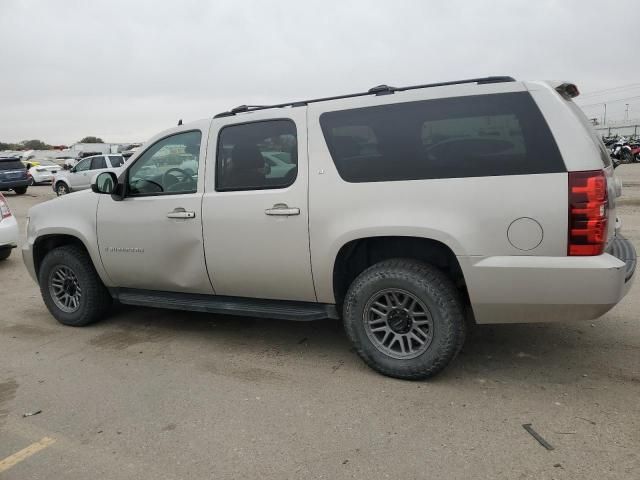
153 394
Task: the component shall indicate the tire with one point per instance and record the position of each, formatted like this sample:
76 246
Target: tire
93 300
4 253
626 157
428 290
61 189
20 190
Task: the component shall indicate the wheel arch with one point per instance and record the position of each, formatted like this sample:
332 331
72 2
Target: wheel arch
58 182
356 255
46 242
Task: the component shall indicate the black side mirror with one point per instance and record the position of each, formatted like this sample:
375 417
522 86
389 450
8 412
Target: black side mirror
105 183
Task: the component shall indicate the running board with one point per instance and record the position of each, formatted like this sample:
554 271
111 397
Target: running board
249 307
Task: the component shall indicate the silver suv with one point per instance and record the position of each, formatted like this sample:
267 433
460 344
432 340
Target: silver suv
80 175
404 211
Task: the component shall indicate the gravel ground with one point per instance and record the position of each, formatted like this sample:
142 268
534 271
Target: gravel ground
159 394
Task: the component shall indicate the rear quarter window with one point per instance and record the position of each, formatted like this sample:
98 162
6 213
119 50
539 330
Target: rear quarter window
472 136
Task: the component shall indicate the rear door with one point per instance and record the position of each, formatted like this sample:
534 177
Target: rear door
255 210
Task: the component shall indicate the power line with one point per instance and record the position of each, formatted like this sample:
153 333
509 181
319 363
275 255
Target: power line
611 101
605 91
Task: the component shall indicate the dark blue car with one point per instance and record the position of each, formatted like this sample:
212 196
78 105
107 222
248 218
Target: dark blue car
13 175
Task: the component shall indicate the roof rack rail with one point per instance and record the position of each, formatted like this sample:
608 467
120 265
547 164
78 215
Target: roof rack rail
378 90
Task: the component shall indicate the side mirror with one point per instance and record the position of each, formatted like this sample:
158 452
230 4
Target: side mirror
105 182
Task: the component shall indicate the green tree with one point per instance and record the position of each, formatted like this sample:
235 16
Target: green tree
91 140
34 145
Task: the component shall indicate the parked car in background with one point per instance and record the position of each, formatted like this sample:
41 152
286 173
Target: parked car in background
13 175
44 171
79 177
8 230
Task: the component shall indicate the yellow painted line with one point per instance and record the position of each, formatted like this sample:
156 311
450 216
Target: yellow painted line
25 453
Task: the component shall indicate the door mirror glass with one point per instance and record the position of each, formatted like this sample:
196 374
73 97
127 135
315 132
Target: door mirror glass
105 183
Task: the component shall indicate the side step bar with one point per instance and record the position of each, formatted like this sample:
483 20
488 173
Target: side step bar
249 307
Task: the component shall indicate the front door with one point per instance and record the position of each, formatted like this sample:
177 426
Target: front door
152 239
255 211
80 175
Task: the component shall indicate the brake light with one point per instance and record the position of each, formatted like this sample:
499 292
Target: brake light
588 209
4 208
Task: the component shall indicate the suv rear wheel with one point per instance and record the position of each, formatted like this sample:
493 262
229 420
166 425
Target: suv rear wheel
20 190
405 318
71 288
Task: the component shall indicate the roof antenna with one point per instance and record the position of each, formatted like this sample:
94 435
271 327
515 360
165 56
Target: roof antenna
179 122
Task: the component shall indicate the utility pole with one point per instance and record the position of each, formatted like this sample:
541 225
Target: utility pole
626 112
604 122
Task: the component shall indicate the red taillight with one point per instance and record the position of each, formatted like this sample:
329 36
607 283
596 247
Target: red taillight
4 208
587 212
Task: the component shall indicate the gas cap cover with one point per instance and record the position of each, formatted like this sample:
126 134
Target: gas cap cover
525 233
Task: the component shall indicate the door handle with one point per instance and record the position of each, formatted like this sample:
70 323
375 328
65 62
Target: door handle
181 213
282 209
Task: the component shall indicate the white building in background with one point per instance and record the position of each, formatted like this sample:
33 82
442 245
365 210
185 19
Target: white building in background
95 147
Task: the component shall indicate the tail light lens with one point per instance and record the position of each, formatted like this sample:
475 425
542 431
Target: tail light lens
4 208
588 212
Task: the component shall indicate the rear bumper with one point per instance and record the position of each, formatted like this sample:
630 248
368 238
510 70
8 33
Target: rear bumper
10 184
524 289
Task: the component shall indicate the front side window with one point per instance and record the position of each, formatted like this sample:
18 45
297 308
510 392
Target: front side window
169 166
98 162
472 136
257 156
83 165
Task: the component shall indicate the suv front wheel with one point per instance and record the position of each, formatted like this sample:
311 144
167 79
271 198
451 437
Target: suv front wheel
405 318
61 188
71 288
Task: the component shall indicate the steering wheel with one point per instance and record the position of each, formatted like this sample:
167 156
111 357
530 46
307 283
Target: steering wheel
171 181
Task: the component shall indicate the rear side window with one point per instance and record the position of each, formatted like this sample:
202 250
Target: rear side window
473 136
257 156
98 162
11 165
116 160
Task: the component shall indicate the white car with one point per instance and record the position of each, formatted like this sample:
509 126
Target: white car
8 230
44 171
80 176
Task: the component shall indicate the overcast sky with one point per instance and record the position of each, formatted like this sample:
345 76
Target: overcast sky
124 70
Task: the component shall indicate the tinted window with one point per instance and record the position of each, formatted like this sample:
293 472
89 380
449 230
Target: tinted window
116 160
258 155
11 165
98 162
83 165
169 166
474 136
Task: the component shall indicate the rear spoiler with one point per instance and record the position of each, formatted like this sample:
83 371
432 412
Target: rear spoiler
567 89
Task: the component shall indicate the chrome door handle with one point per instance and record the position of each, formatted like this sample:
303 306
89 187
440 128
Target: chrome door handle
181 213
282 209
